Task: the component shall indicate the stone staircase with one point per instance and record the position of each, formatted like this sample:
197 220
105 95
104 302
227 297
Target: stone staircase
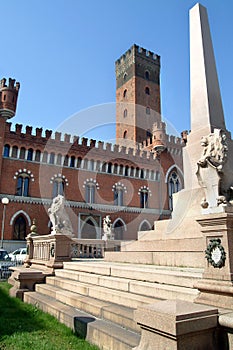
97 298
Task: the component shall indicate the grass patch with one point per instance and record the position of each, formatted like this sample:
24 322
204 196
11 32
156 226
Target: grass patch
24 327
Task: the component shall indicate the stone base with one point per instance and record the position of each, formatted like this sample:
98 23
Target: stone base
213 292
177 325
24 279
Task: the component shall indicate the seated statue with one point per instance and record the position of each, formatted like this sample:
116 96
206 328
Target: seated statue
59 218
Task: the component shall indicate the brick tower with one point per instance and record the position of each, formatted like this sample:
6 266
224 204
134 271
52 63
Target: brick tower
8 102
137 96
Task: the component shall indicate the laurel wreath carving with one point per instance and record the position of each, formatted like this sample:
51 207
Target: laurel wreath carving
215 243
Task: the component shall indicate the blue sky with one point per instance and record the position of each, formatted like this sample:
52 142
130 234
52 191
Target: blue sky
63 52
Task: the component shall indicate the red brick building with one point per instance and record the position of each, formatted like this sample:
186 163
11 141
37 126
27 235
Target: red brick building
131 181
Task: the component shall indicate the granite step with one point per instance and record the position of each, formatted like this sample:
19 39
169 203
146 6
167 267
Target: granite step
106 335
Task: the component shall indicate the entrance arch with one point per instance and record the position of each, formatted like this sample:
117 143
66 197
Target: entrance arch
88 229
119 229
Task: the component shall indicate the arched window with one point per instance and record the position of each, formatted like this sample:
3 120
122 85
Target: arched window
145 226
66 160
125 134
59 159
119 230
118 191
89 229
125 93
38 156
90 193
147 75
14 152
127 170
30 154
125 76
58 187
115 168
45 157
92 165
109 168
22 153
72 161
174 186
147 91
144 198
6 152
79 162
52 158
23 185
19 228
125 113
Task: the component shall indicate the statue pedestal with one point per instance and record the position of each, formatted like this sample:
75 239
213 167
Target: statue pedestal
216 287
176 325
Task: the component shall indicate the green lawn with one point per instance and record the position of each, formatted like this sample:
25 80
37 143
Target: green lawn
24 327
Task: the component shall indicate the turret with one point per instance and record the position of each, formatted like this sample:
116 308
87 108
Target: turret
8 97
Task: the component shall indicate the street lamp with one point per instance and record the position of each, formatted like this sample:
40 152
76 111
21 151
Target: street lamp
5 201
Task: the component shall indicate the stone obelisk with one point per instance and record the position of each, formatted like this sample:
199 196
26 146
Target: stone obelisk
206 110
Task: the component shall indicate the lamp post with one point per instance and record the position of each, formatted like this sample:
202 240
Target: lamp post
5 201
159 147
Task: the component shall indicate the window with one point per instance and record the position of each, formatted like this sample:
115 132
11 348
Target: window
45 157
14 152
66 160
148 110
125 76
125 113
125 93
59 159
147 75
109 168
90 193
52 158
58 187
125 134
22 153
144 198
72 161
30 154
19 228
79 162
147 91
118 196
22 185
6 152
173 187
38 156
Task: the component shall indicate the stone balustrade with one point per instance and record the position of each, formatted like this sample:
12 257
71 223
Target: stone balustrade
51 251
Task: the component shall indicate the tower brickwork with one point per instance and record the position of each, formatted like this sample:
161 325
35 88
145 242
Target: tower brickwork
137 95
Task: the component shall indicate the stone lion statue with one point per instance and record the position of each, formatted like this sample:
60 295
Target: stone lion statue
59 218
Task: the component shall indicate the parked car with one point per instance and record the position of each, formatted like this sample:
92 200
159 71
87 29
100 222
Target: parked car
4 256
18 255
5 263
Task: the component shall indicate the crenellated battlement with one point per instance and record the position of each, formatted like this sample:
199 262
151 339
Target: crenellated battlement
8 97
140 52
57 140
